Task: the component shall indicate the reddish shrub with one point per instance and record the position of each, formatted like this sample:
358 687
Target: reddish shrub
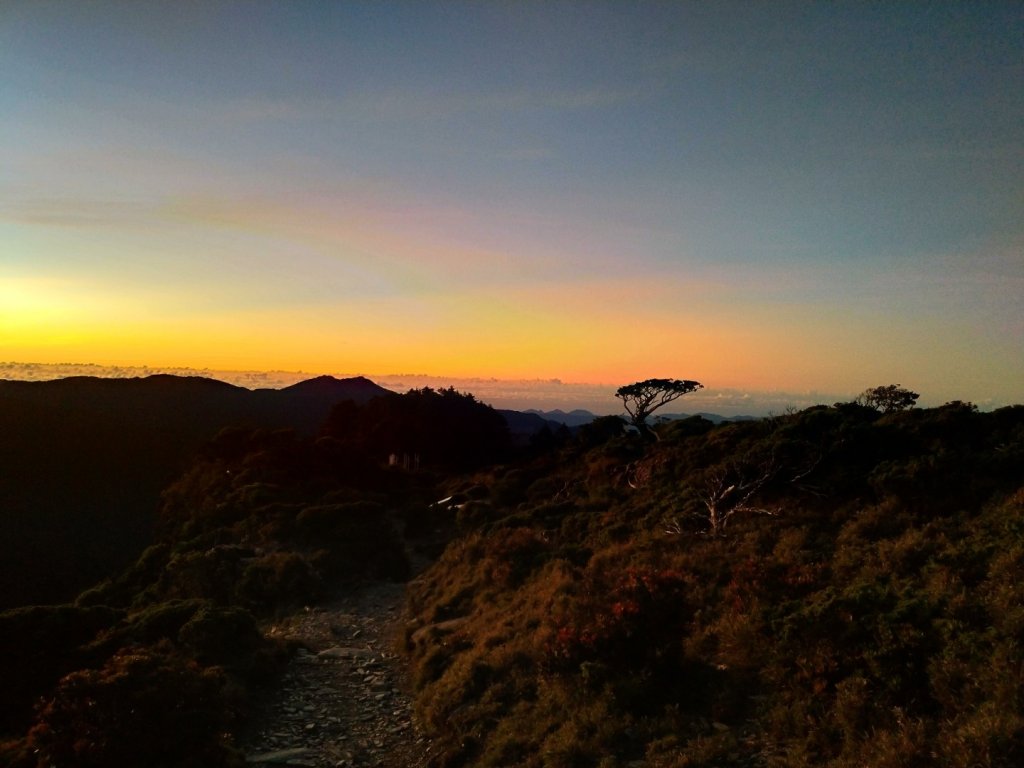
144 707
629 623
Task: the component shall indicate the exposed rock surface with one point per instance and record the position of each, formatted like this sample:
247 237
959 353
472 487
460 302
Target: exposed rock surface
343 700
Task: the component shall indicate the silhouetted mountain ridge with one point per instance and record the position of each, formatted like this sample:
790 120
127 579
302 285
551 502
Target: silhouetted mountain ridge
88 454
579 417
714 418
573 418
84 460
352 389
525 424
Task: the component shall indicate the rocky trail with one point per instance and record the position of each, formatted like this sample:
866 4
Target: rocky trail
344 698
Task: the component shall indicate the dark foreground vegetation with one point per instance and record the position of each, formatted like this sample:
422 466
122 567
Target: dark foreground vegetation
83 461
156 665
838 586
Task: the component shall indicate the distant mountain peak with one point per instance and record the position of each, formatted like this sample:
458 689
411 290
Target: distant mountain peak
174 380
154 383
326 384
574 418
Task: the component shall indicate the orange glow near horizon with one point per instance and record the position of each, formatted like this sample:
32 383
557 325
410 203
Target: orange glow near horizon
358 200
474 338
370 294
598 331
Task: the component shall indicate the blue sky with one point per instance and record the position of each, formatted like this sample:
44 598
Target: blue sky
759 196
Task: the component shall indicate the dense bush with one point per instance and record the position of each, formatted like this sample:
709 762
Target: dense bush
145 706
862 607
442 429
836 587
151 666
38 645
353 538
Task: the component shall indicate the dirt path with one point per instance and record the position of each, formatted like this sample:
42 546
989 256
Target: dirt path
343 700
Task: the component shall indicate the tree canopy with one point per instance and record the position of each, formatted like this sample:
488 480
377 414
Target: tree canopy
445 427
888 398
643 398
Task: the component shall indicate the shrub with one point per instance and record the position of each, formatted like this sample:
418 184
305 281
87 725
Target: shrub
38 645
225 637
279 579
143 707
353 539
874 619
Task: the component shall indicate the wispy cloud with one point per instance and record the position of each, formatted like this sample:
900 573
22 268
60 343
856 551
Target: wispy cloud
526 154
78 213
408 104
986 278
265 109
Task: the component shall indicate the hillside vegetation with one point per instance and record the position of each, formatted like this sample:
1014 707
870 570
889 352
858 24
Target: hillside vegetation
832 587
83 461
156 665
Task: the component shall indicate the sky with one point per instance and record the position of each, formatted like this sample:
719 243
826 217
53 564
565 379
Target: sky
764 197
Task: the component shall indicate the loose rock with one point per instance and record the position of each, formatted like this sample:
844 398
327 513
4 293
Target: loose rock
341 704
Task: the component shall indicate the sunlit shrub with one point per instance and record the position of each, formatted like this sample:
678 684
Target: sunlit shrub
874 619
512 554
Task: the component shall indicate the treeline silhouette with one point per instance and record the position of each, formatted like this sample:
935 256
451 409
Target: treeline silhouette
443 429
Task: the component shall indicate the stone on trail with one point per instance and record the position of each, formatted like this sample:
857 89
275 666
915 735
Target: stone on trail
343 652
282 757
342 698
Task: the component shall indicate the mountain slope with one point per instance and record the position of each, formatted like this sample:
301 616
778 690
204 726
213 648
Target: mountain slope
828 588
84 460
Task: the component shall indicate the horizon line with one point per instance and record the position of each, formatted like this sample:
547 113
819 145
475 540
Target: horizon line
554 380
